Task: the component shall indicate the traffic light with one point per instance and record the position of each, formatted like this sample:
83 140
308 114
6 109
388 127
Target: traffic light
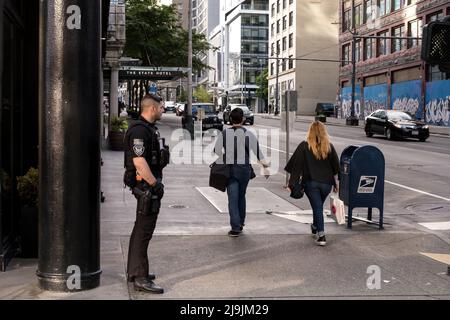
436 44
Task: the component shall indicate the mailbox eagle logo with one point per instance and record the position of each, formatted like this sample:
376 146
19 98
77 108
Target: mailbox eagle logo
367 184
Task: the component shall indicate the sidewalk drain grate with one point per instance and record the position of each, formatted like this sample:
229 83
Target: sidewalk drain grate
177 206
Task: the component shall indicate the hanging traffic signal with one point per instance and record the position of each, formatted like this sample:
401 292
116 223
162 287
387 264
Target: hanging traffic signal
436 43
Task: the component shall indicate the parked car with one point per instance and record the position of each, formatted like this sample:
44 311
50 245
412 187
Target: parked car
395 124
210 121
169 106
326 109
249 116
179 108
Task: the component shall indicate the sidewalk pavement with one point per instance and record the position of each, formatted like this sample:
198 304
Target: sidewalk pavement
275 258
341 122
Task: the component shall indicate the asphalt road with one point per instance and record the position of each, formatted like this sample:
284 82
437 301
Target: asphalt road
417 182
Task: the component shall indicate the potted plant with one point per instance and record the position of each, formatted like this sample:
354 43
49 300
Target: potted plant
119 126
28 189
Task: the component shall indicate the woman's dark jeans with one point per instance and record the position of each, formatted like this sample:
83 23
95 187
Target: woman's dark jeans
236 189
317 193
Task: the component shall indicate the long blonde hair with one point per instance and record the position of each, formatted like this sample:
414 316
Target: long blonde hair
318 140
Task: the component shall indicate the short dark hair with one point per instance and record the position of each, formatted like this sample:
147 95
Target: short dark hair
155 99
236 116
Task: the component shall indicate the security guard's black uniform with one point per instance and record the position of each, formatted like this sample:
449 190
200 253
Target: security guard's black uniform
142 140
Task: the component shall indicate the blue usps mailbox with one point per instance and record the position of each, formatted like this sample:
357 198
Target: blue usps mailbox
361 181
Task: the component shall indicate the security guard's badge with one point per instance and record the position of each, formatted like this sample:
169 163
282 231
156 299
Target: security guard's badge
138 147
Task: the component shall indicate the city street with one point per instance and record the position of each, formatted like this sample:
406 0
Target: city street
276 256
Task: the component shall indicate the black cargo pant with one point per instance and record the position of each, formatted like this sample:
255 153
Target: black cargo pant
144 227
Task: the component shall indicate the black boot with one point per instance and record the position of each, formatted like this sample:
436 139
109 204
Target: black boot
146 285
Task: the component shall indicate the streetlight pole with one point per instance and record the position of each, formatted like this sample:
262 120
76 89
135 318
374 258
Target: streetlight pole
188 118
353 120
277 89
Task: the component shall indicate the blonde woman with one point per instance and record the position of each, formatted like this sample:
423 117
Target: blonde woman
315 161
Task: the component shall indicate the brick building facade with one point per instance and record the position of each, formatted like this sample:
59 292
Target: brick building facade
389 72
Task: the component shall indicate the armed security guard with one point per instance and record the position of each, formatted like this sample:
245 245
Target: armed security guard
145 156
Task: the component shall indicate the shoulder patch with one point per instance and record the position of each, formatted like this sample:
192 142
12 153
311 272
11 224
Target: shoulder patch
138 147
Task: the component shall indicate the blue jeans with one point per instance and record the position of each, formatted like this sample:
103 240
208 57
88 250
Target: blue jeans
236 189
317 193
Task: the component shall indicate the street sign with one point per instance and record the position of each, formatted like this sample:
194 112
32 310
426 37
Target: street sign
200 114
153 88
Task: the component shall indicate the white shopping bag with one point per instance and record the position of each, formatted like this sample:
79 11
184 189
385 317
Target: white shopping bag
337 209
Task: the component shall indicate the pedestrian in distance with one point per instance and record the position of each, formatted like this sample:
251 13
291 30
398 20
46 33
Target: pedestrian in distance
234 147
316 163
145 157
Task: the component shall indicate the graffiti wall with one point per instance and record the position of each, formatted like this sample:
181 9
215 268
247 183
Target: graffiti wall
375 97
406 96
346 102
437 99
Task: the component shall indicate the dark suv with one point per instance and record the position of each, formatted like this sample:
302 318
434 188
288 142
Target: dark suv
210 121
326 109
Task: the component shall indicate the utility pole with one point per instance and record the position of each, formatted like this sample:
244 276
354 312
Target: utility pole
353 120
188 118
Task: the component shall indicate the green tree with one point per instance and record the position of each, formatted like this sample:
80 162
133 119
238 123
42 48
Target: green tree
201 95
263 85
182 97
154 35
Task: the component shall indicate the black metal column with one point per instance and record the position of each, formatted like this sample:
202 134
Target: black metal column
69 144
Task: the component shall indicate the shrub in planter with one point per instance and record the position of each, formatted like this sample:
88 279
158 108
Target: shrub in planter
117 132
28 189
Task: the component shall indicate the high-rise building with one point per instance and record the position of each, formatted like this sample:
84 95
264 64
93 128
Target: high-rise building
305 30
389 72
183 11
205 17
242 51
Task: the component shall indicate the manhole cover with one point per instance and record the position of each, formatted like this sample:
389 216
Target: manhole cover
177 206
429 207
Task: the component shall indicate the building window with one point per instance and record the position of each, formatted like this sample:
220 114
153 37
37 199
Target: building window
384 7
283 65
284 22
284 44
382 44
347 21
272 29
291 40
284 4
278 6
291 18
272 48
435 16
414 31
278 46
272 68
278 26
358 15
368 11
368 48
346 54
291 62
434 74
273 9
397 4
358 51
398 44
